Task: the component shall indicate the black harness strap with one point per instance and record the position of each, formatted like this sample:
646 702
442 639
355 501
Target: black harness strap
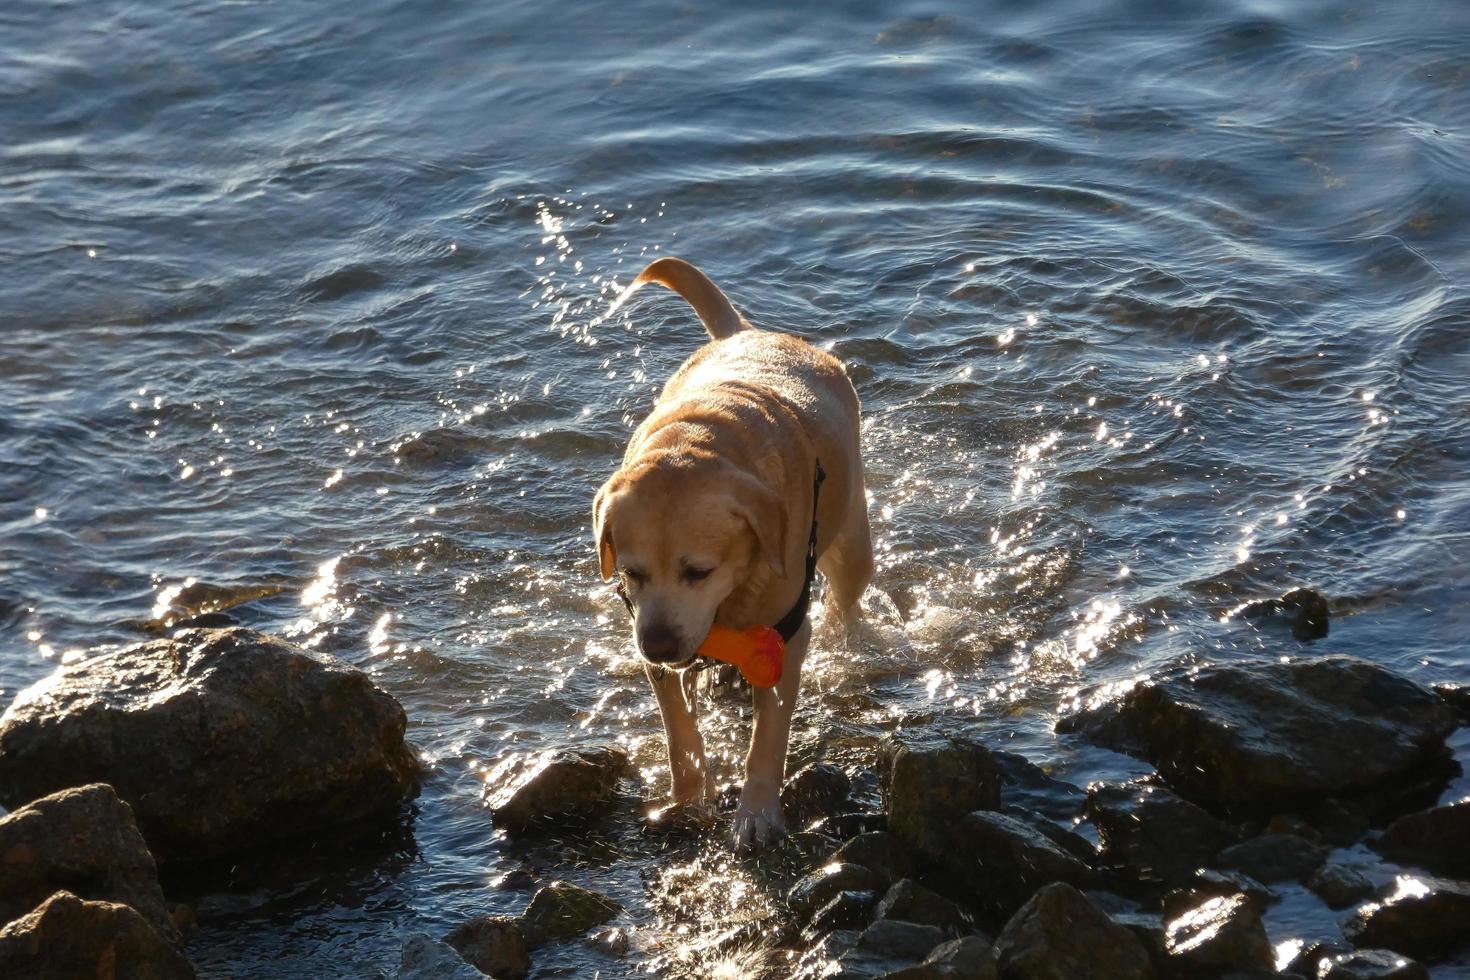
791 622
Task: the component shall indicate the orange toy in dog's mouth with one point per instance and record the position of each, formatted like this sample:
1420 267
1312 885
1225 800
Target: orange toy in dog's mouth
758 652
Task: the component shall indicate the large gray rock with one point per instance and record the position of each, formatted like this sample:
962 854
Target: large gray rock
997 861
929 784
1437 839
218 739
1423 917
1147 828
426 958
1260 734
1061 935
1221 935
1372 964
83 840
494 944
525 789
562 910
67 938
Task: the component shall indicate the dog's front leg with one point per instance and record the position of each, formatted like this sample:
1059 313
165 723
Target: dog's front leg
758 818
692 781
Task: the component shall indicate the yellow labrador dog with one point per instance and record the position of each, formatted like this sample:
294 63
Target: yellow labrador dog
746 475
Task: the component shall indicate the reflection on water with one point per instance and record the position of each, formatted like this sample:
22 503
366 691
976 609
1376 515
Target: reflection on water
309 324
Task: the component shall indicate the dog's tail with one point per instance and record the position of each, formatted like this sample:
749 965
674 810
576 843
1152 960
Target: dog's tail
715 311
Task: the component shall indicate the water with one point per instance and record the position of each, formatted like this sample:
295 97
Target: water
1153 309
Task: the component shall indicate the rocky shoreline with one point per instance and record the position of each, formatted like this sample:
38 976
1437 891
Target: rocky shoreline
968 862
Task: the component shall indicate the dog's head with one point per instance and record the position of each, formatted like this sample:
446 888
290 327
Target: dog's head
683 535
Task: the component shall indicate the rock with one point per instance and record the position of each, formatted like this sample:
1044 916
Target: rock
83 840
612 942
1059 934
1372 964
929 784
1304 609
999 861
1291 823
1437 839
966 958
909 901
525 789
846 910
493 944
844 826
1274 857
1304 962
1221 935
880 852
821 957
900 940
829 881
1340 885
814 793
1074 844
1209 883
1261 734
1149 828
67 938
562 910
426 958
218 739
1023 783
1146 927
1456 695
1423 917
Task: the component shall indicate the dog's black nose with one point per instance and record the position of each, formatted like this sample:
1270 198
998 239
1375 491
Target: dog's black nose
659 643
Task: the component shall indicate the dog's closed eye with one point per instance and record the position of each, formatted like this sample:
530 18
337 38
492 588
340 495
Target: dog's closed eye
693 575
635 576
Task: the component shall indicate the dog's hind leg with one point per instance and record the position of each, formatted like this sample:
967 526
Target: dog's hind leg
847 564
758 818
692 781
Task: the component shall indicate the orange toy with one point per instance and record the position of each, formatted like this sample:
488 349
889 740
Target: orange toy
759 652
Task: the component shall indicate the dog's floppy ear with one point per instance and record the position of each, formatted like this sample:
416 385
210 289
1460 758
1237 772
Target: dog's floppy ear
607 558
762 509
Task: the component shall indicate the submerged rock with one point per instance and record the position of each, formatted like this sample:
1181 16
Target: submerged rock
1304 609
1260 734
426 958
524 789
1271 858
929 784
1221 935
1423 917
1340 885
1372 964
1059 934
814 793
999 861
218 739
67 938
1148 828
562 910
1437 839
494 944
83 840
1023 783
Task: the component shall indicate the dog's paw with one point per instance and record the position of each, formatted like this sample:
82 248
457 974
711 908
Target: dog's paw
758 820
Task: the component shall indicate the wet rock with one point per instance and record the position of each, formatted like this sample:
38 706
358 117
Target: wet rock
814 793
998 861
1423 917
1437 839
1372 964
1149 828
821 957
1023 783
611 942
1340 885
846 910
525 789
1146 927
1209 883
1304 962
1274 857
1339 822
426 958
845 826
966 958
1222 935
880 852
829 881
1261 734
900 940
562 910
909 901
1059 934
218 739
83 840
493 944
1074 844
1305 610
1290 823
930 784
1456 695
67 938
